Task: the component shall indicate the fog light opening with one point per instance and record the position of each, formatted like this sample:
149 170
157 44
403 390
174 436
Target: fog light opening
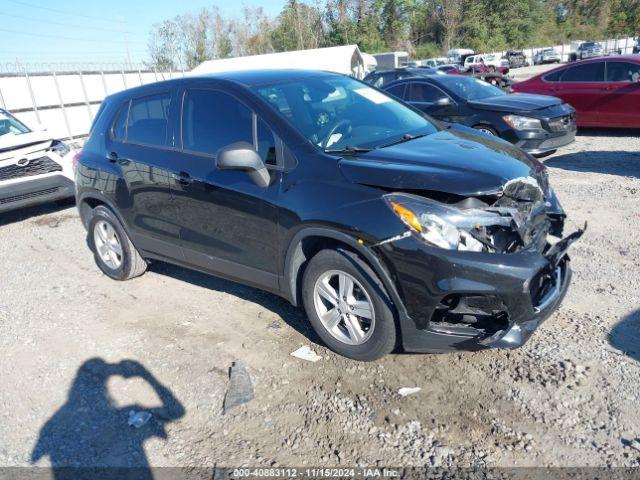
476 314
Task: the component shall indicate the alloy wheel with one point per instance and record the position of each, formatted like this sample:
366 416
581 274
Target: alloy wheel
108 244
486 130
344 307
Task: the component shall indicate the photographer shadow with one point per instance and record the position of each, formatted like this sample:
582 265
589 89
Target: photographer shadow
89 434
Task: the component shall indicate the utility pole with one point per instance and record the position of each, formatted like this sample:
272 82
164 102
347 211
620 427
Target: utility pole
125 34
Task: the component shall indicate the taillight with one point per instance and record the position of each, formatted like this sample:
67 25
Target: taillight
75 160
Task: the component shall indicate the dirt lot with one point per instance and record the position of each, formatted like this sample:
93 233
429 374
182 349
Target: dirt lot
569 397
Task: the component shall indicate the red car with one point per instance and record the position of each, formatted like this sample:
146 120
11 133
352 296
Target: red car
604 91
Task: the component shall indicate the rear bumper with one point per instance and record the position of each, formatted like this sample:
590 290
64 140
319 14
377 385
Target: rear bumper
35 190
521 290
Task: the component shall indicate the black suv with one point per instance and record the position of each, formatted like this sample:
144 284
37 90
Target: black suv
390 229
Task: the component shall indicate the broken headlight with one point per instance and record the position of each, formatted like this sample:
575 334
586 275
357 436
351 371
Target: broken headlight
446 226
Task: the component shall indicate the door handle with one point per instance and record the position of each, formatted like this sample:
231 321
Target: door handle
183 178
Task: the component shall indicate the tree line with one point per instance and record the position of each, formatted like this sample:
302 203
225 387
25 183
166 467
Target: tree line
424 28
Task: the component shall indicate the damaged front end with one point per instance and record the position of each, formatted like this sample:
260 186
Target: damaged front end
523 282
519 217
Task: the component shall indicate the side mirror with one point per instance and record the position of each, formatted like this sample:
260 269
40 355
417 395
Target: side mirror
242 156
443 102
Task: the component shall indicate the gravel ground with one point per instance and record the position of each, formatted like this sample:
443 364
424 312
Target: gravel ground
80 352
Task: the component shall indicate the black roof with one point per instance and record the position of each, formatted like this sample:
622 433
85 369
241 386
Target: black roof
260 77
247 78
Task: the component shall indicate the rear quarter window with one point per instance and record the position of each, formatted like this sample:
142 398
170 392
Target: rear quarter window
148 119
119 126
554 76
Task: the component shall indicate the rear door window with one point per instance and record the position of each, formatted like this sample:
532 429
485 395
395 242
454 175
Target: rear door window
148 120
587 72
397 91
623 72
423 92
212 119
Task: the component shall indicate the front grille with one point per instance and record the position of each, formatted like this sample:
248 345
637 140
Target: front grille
37 166
26 196
562 124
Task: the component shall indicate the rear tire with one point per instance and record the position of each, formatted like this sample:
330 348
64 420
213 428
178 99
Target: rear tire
112 249
359 324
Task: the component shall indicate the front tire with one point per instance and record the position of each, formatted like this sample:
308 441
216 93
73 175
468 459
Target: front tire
348 306
112 249
486 129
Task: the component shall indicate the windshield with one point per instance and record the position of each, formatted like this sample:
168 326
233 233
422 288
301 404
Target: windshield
469 88
335 112
588 44
10 125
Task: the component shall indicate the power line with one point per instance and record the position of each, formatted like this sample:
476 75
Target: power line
64 12
60 37
53 22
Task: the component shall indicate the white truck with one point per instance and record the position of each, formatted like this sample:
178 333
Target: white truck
391 60
456 55
491 61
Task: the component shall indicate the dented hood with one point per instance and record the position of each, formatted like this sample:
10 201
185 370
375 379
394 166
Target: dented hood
449 161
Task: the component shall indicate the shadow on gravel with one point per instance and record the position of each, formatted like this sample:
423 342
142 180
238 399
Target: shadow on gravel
625 335
35 211
89 432
626 164
294 317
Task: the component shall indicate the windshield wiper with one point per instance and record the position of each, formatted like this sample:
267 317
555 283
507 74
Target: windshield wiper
405 138
350 150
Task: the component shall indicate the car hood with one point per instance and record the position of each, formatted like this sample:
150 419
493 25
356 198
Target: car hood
454 161
520 102
32 141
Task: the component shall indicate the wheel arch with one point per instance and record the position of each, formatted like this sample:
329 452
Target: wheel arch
309 241
89 201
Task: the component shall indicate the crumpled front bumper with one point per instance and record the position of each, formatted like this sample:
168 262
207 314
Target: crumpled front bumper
424 276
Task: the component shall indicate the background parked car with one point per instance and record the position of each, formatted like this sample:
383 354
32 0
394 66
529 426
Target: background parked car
434 62
516 59
380 79
589 50
538 124
546 55
457 55
480 71
490 62
33 167
604 91
636 47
